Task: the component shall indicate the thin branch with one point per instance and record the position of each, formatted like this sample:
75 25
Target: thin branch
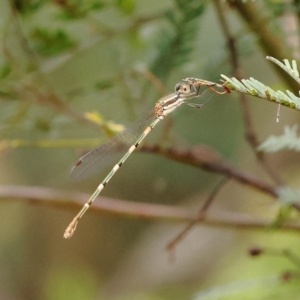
47 97
208 159
157 83
51 100
251 135
254 141
15 20
200 156
201 215
70 200
269 42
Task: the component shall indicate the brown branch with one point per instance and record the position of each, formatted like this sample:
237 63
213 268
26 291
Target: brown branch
200 216
269 42
61 199
157 83
254 142
208 159
46 96
51 100
251 135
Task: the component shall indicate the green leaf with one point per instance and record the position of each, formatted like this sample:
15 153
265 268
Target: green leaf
4 71
48 43
175 43
71 9
256 88
127 6
288 141
27 6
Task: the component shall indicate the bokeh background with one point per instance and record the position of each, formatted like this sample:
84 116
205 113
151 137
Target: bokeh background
73 73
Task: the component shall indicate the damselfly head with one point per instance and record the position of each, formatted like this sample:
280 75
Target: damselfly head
186 89
196 83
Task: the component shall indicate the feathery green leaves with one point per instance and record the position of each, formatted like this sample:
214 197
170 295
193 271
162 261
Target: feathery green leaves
47 42
288 141
256 88
175 45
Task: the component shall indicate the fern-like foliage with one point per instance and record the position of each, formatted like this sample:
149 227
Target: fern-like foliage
256 88
175 45
292 70
288 141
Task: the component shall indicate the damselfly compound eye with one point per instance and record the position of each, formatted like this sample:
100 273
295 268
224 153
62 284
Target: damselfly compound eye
177 87
185 89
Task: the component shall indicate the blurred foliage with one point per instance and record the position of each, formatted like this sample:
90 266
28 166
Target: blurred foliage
287 141
50 43
72 74
65 282
176 44
25 6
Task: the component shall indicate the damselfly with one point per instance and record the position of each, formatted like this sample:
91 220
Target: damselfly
124 143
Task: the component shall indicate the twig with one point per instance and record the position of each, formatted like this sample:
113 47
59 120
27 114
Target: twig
271 44
47 97
201 215
249 126
24 43
200 156
251 135
154 80
254 141
208 159
70 200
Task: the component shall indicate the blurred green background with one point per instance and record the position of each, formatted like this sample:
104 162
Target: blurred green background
66 63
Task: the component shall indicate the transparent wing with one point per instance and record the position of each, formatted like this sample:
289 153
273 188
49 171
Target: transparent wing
111 151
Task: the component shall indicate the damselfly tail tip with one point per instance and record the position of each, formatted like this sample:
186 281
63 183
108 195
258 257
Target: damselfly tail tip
70 229
68 233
